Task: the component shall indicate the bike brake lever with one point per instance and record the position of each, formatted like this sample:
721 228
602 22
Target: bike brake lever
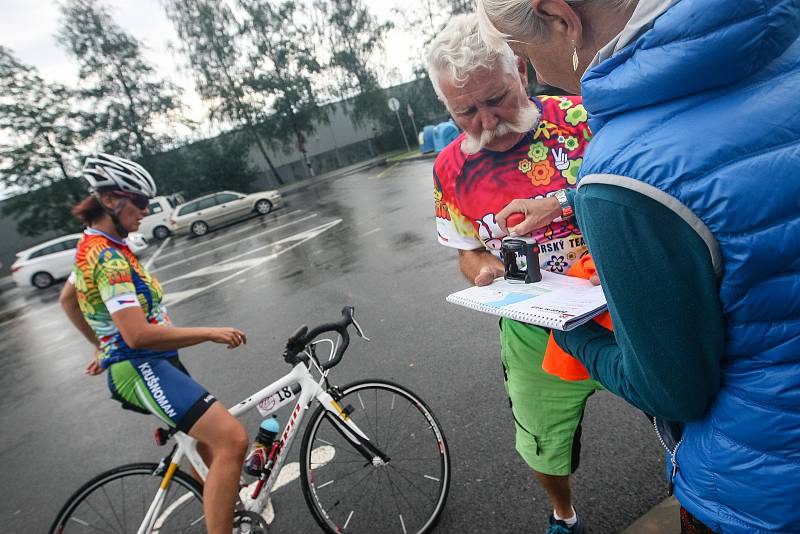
359 331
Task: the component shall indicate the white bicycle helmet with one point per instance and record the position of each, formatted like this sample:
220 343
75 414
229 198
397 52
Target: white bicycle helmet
105 172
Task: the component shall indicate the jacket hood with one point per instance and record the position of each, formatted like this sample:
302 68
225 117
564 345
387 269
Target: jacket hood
696 45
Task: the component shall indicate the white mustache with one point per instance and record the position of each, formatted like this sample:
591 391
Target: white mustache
526 120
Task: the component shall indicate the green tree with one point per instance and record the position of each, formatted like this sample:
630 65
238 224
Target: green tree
47 208
127 97
353 37
38 142
209 38
205 166
281 67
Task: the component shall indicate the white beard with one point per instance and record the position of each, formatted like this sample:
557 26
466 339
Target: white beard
527 120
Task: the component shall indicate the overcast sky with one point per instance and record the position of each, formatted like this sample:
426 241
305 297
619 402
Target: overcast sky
28 28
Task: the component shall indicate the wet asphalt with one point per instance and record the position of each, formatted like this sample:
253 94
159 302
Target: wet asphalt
367 239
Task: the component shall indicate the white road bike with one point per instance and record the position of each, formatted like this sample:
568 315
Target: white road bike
373 459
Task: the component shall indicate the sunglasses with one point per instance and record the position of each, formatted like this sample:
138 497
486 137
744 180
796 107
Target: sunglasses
141 202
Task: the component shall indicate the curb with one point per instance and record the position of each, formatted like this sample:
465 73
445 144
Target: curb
338 173
418 157
663 518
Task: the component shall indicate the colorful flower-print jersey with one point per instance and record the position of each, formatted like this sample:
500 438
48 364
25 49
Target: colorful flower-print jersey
108 277
471 189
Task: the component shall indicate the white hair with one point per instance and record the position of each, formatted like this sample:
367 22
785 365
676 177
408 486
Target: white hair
458 51
499 20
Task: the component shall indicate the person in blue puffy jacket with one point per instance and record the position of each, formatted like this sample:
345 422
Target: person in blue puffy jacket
689 197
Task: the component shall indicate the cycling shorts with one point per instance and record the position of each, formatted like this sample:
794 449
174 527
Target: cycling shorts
547 410
162 387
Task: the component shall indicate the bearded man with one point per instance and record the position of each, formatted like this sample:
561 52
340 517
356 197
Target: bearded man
514 147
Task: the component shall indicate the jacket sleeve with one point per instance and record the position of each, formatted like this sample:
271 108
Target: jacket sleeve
664 355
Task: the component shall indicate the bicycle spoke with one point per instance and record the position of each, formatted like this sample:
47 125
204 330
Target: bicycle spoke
416 473
404 495
351 473
97 529
101 516
400 428
360 497
411 482
124 521
394 487
110 504
365 411
420 459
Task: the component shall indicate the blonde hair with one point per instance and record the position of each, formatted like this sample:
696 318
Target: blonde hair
499 20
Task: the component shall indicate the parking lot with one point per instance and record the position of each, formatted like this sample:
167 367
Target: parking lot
367 239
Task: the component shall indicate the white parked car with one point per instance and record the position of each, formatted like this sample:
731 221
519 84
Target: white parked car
52 260
156 225
200 214
136 242
45 263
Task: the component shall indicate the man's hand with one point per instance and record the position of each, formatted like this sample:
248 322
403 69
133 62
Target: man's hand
486 275
538 212
232 337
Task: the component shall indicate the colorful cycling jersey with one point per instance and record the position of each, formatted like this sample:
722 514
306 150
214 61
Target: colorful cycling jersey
470 189
108 278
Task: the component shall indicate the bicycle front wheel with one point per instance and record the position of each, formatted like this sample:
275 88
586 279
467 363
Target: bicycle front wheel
117 501
349 493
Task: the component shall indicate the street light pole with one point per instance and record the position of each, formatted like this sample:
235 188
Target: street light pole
413 122
394 105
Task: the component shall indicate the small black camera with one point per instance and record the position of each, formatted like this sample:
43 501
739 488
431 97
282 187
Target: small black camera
521 260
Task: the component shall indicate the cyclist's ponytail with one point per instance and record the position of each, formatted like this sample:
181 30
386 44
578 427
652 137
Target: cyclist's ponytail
88 210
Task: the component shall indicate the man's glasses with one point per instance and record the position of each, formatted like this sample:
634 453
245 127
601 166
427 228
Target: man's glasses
139 201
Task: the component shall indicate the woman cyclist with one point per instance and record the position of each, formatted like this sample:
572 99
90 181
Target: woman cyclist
120 305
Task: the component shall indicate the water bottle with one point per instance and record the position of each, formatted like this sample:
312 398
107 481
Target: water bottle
259 453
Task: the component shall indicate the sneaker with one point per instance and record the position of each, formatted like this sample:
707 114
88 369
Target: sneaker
560 527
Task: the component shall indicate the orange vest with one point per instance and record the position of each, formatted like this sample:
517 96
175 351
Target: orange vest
556 361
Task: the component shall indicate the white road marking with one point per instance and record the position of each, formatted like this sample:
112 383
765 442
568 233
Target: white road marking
184 247
231 244
365 234
289 473
156 253
384 171
298 239
217 268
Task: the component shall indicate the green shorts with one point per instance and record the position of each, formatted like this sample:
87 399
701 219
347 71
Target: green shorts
547 410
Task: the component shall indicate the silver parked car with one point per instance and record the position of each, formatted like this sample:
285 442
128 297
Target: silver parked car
199 215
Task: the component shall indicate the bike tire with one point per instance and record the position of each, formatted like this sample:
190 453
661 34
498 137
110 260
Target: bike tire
418 432
66 521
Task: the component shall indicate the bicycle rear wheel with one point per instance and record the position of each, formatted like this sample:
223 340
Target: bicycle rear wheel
348 493
117 501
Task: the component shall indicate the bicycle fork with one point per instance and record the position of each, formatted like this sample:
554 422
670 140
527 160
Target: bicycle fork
153 520
339 418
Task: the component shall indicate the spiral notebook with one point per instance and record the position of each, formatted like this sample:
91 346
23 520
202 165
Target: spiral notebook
560 302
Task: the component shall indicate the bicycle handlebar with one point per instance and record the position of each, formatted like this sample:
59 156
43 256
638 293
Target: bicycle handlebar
297 342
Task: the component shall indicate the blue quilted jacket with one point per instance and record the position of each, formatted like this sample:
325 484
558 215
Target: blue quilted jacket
702 113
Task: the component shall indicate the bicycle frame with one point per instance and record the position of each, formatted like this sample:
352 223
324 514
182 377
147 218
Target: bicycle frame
310 390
